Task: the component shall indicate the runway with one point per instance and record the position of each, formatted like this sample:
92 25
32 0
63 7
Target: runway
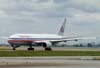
52 62
55 48
47 62
64 48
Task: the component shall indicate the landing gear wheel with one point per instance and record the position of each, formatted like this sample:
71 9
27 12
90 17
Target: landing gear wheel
14 48
30 49
48 49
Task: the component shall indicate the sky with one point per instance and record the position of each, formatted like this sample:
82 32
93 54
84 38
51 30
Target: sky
46 16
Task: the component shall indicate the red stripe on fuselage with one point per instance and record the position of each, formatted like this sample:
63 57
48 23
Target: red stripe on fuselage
20 41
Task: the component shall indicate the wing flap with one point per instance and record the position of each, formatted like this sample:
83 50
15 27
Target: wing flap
67 39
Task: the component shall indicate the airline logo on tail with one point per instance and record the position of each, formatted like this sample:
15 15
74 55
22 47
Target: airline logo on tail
61 32
62 29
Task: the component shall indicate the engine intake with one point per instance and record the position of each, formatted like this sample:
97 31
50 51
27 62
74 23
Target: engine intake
47 44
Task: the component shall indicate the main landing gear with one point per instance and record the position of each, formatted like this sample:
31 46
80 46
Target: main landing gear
30 47
48 49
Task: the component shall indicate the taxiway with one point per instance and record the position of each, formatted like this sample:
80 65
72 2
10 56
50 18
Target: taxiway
48 62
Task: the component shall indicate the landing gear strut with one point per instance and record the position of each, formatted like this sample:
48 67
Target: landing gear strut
30 47
13 47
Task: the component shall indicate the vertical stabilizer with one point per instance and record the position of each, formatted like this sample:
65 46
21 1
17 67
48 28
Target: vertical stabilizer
62 29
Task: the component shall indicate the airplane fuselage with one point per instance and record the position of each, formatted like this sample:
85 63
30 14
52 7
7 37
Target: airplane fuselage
31 38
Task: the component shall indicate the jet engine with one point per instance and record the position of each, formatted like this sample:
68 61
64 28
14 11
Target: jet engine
46 44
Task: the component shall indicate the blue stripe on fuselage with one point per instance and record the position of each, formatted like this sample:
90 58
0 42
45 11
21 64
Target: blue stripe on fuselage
36 38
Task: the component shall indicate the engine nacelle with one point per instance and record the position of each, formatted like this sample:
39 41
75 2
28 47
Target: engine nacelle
47 44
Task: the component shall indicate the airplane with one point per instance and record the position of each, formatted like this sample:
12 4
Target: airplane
45 40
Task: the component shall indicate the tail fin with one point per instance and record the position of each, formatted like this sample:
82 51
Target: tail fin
62 29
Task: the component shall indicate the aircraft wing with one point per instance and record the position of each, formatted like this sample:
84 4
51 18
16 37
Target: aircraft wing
78 38
67 39
74 39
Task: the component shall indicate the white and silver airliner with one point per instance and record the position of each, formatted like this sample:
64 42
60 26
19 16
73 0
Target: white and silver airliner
45 40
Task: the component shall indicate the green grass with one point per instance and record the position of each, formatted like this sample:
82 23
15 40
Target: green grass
22 53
